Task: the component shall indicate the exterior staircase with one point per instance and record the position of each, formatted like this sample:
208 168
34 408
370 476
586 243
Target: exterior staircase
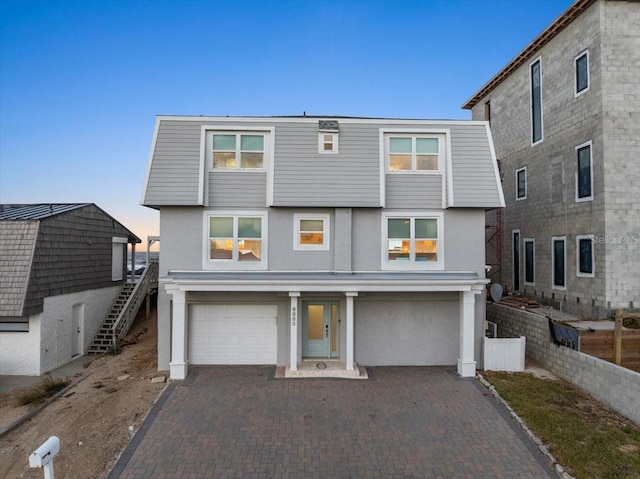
123 311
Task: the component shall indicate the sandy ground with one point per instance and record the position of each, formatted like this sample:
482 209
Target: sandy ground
94 419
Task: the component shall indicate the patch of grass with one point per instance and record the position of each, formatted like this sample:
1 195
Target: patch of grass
587 438
47 388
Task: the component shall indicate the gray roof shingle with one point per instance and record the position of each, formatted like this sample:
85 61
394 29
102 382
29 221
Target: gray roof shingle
17 241
14 212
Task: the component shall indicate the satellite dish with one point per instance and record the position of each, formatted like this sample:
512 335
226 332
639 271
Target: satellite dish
496 291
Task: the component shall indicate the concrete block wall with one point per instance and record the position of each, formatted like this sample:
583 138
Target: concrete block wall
607 115
615 386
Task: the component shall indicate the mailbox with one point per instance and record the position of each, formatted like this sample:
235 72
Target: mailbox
45 453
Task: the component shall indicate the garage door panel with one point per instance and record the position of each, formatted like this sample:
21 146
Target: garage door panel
233 334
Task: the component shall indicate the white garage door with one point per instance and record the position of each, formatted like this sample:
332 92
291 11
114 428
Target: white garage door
232 334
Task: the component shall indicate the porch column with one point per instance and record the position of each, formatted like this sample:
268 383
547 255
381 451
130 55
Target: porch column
179 364
293 346
349 359
466 363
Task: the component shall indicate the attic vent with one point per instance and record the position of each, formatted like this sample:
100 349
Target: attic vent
328 125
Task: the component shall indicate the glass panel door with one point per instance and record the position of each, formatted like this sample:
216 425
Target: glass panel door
320 329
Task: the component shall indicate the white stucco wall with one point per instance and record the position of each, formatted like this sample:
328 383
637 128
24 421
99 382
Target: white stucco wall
48 344
20 351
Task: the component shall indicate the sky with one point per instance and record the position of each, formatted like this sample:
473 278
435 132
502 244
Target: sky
81 81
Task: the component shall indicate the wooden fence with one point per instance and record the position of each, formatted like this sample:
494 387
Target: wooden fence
619 346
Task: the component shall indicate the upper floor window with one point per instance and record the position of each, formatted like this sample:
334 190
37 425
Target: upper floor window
536 101
238 151
521 183
327 142
311 232
236 241
413 242
413 152
582 73
585 256
584 173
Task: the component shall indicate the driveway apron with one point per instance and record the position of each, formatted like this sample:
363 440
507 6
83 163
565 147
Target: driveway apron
403 422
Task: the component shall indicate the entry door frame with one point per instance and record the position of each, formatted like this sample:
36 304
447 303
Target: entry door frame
330 330
77 330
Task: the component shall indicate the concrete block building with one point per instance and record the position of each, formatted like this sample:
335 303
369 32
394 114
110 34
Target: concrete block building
565 119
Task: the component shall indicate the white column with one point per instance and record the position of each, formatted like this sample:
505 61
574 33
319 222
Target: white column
178 366
349 359
294 316
466 363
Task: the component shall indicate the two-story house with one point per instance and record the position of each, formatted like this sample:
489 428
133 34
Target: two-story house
565 120
348 239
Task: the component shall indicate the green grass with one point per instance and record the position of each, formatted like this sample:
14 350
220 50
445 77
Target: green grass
47 388
586 437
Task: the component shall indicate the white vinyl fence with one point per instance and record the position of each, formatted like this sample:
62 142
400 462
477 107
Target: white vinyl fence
504 354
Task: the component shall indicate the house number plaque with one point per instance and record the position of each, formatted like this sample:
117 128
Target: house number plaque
294 316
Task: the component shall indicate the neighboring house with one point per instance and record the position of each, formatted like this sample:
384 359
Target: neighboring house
61 266
348 239
565 120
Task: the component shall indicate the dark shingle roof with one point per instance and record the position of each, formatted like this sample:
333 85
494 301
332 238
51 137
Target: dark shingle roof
13 212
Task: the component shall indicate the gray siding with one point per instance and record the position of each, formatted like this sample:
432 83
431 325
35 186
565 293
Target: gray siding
174 173
73 253
17 240
237 189
473 174
413 191
303 177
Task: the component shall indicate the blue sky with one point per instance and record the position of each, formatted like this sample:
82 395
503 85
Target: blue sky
81 81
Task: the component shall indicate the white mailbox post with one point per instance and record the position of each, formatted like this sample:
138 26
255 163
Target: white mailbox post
43 456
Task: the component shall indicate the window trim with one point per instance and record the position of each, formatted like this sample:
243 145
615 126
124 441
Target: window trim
413 265
440 135
588 144
268 144
531 241
577 93
553 262
519 170
326 232
230 264
593 256
334 142
531 102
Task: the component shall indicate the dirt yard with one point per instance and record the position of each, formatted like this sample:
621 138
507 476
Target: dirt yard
94 419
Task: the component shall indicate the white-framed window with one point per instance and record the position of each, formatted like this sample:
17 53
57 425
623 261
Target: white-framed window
529 261
327 142
584 173
311 232
414 152
238 150
582 73
585 256
535 78
413 241
559 262
235 240
521 184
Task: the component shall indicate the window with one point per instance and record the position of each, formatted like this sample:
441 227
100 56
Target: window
236 241
238 151
585 256
521 184
413 242
529 261
311 232
327 142
584 175
413 153
582 73
558 260
536 102
515 239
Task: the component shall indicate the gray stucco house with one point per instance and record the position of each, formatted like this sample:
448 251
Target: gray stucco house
565 119
61 266
348 239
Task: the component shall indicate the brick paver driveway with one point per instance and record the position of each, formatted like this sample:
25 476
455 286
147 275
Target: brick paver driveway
404 422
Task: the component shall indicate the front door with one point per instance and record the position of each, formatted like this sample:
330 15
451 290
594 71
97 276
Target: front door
320 320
